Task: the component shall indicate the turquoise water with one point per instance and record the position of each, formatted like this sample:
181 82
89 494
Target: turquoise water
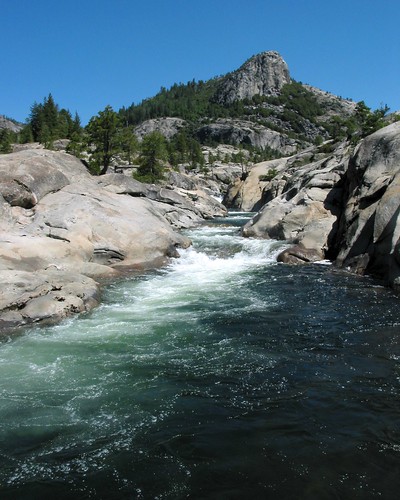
225 375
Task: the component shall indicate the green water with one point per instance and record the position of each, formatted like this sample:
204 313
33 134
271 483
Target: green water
224 375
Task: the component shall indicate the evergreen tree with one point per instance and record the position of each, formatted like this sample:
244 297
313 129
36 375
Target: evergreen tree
76 125
5 141
51 117
36 120
128 144
76 145
102 132
47 123
26 134
196 154
152 156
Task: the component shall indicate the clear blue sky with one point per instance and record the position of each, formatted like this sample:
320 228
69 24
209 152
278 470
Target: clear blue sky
91 53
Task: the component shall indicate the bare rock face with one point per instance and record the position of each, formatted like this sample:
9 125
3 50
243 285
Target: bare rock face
10 124
370 224
168 127
63 230
345 207
302 201
263 74
25 178
230 131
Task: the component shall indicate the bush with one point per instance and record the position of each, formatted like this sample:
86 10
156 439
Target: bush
272 172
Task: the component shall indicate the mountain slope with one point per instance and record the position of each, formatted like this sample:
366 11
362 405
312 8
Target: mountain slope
260 95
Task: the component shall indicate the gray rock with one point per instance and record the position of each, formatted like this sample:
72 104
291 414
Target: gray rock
231 131
302 201
79 228
10 124
168 127
262 74
29 297
27 176
299 254
370 223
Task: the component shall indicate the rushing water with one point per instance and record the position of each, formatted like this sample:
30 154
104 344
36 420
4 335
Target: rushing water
223 376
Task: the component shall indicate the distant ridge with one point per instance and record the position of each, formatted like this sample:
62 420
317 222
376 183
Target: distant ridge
9 124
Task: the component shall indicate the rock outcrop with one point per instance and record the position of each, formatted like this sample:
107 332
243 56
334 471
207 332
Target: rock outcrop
344 206
369 235
263 74
228 131
303 202
63 230
11 125
168 127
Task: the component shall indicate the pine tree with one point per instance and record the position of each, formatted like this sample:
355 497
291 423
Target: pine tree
102 132
5 141
152 157
128 143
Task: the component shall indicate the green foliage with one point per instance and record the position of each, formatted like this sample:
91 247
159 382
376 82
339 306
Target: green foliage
298 99
191 101
185 149
370 121
257 155
47 122
26 134
272 172
128 144
153 154
6 139
102 136
76 145
362 123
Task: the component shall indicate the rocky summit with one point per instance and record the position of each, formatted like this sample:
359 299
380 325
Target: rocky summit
259 105
263 74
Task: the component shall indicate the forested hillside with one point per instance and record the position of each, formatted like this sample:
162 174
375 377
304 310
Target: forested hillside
258 109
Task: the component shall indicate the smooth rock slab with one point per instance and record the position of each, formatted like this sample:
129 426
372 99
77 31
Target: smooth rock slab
29 297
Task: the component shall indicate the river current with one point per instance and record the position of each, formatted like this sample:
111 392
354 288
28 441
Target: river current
222 376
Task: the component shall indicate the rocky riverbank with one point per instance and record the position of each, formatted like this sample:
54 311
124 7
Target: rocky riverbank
343 205
64 231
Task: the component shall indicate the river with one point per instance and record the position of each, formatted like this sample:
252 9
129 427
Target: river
222 376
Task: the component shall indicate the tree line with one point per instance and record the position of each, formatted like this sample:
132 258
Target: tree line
110 134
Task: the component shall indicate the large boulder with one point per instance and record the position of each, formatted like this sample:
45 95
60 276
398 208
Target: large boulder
369 233
63 231
44 296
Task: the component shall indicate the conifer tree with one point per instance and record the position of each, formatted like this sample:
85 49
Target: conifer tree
5 141
152 157
102 131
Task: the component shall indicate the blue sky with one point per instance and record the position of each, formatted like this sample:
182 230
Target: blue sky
91 53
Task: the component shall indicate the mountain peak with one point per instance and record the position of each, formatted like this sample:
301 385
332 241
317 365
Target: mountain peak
262 74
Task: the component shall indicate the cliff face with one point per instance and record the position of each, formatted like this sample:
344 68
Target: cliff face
263 74
344 206
369 226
